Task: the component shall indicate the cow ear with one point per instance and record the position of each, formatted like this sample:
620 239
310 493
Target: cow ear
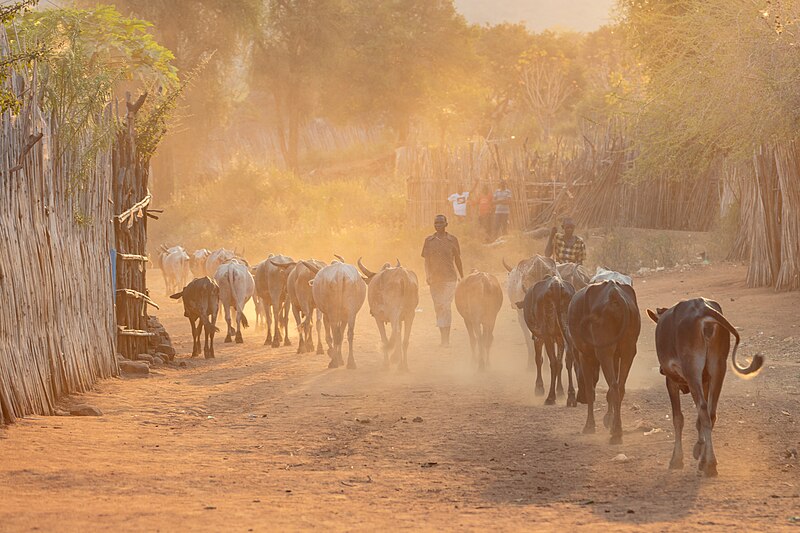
519 305
661 310
653 316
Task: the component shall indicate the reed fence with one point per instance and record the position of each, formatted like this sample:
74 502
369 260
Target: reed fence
57 328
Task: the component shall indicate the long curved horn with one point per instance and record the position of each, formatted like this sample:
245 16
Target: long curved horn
340 258
282 265
311 266
364 269
506 265
398 264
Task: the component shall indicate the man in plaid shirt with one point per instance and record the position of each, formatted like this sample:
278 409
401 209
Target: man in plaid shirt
567 247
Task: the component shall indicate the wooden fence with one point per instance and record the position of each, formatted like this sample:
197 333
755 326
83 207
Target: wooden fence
587 182
57 330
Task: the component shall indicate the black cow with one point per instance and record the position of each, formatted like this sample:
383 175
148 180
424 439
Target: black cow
201 302
603 323
545 311
692 342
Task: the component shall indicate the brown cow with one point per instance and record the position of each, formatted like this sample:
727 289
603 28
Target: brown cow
393 295
201 305
478 300
692 342
603 323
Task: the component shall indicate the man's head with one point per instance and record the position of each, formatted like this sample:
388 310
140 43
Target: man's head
503 184
569 226
440 223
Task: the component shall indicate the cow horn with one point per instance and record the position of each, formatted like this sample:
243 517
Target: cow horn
340 258
364 269
311 266
506 265
282 265
398 264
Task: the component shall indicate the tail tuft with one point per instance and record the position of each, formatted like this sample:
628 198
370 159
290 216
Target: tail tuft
244 321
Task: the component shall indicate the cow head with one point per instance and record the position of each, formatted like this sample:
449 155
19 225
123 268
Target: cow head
655 316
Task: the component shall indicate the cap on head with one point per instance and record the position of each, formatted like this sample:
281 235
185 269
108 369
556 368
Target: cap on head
568 222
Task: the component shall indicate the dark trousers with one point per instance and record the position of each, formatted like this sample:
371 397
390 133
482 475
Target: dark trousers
500 224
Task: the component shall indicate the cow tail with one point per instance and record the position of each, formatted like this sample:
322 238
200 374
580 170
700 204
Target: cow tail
239 311
207 323
758 359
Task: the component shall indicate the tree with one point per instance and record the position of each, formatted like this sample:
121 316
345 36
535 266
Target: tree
8 100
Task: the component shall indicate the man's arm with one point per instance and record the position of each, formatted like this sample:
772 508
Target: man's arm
426 255
581 256
548 250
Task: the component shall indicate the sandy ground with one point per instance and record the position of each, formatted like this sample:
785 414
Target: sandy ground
263 439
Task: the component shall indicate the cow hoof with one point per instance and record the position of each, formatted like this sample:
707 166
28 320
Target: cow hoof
588 430
351 365
228 339
550 401
333 364
676 465
711 470
616 439
239 339
276 344
209 356
607 420
195 355
539 391
571 401
320 351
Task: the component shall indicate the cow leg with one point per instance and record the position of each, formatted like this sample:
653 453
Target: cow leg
336 350
276 313
320 349
539 388
239 339
384 342
300 323
703 449
555 370
195 337
587 370
481 345
351 361
472 338
406 337
677 423
394 341
488 339
528 340
612 419
227 309
560 357
286 305
716 366
571 401
268 322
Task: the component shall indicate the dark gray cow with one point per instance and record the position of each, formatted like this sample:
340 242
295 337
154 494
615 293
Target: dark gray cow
301 297
545 308
200 306
271 283
393 295
692 342
603 323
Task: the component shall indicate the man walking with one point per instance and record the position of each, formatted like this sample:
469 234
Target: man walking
566 247
442 270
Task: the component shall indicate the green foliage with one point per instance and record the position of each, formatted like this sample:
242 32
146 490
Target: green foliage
721 79
8 100
91 54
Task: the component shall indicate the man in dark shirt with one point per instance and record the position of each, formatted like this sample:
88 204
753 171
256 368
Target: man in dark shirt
442 270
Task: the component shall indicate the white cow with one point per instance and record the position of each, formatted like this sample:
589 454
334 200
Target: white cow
602 274
236 286
216 259
339 292
175 268
197 262
522 277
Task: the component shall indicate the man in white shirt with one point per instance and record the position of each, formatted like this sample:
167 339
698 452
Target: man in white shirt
459 201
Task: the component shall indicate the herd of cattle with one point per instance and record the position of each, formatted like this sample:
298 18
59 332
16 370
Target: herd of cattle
591 322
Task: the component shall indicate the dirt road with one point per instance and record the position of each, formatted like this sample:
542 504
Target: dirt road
262 439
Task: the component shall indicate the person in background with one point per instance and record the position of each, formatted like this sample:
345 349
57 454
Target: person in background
484 203
566 247
502 209
442 270
459 201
